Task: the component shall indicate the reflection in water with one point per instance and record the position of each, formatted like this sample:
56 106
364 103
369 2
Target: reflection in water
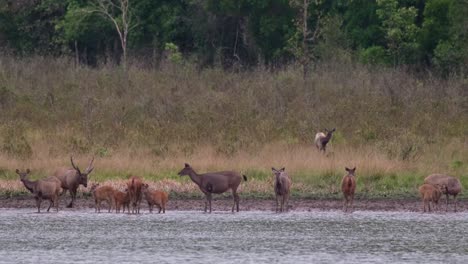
246 237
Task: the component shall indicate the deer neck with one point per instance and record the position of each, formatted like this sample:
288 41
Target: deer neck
29 184
195 177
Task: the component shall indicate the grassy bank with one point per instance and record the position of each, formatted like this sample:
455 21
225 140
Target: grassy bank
396 127
314 175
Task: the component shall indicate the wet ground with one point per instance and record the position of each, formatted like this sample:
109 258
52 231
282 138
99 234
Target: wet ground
316 236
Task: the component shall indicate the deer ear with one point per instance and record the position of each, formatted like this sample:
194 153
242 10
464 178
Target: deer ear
354 169
187 165
346 168
17 171
282 169
273 169
333 130
28 171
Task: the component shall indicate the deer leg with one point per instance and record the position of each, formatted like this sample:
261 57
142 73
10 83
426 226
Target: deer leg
287 202
352 203
209 201
345 204
72 194
446 202
38 204
277 203
455 201
50 204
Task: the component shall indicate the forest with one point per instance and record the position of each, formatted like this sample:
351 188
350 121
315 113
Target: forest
236 34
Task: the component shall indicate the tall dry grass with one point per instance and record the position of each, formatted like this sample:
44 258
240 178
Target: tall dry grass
394 126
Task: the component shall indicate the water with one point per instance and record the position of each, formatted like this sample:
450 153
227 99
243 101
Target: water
245 237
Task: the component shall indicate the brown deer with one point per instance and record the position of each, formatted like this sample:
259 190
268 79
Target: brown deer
348 186
155 197
322 139
452 186
48 189
122 199
282 188
134 192
102 193
71 178
215 182
430 194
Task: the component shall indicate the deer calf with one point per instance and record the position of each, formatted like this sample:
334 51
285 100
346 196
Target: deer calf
103 193
158 198
122 199
430 194
348 186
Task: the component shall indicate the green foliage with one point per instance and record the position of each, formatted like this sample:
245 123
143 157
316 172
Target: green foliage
399 25
15 144
374 55
174 54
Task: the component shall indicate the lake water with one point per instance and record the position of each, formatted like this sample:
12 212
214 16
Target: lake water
247 237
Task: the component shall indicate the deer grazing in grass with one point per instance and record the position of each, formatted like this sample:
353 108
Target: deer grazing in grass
282 189
348 186
215 182
122 199
452 186
155 197
71 178
430 194
48 189
322 139
134 185
102 193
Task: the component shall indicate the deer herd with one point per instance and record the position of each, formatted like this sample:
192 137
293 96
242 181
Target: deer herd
65 178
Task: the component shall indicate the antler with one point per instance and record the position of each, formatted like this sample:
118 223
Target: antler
73 164
90 166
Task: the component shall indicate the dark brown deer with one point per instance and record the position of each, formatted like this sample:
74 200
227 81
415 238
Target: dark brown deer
452 186
282 189
103 193
155 197
322 139
71 178
48 189
215 182
348 186
134 185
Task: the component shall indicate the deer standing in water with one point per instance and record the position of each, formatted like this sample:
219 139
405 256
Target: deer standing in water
72 178
215 182
430 194
348 186
134 185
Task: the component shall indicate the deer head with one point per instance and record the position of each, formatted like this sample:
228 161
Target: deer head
23 175
83 176
186 170
276 172
351 171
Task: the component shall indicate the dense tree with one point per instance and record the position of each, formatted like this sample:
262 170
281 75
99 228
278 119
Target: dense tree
431 33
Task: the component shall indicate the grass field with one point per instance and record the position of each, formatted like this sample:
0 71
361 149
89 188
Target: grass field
396 127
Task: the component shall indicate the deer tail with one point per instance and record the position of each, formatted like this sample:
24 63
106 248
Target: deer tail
245 177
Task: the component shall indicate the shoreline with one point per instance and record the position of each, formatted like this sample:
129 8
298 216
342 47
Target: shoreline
247 204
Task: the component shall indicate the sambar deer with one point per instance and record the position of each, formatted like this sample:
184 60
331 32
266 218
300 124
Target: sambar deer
430 194
48 189
282 189
122 199
215 182
134 185
452 186
322 139
102 193
155 197
348 187
71 178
